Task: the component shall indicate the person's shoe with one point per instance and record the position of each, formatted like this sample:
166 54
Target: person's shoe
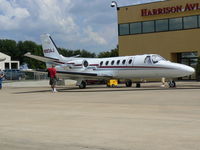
55 91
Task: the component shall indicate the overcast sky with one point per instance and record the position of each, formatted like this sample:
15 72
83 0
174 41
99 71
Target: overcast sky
73 24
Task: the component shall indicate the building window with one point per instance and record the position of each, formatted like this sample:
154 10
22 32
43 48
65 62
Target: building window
175 24
123 29
7 66
136 28
189 55
188 58
148 27
162 25
190 22
199 20
14 66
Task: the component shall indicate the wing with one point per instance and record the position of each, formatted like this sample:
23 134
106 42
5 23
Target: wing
83 75
74 75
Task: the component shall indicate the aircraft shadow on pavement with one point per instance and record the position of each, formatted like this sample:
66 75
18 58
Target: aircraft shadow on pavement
105 89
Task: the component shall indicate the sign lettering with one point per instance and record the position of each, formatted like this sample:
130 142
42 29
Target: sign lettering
170 10
49 51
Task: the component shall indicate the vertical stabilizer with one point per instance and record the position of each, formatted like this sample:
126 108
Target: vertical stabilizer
49 47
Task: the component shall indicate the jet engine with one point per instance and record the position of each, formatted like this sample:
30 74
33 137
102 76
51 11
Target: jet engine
78 64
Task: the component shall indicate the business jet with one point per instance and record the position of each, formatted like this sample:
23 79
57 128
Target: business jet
128 68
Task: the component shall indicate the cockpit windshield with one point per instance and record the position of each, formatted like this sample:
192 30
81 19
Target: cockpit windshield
157 58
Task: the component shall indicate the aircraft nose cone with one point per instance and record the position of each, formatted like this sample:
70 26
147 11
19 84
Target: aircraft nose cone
189 70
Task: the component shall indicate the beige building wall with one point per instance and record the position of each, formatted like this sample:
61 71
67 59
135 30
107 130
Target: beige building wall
164 43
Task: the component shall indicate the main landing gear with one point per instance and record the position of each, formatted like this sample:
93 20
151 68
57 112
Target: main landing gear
82 85
129 84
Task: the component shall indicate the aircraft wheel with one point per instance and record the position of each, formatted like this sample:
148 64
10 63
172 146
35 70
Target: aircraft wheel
138 85
128 83
113 86
172 84
82 85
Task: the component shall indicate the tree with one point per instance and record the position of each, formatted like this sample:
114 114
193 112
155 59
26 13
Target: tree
112 53
9 47
17 50
33 48
81 53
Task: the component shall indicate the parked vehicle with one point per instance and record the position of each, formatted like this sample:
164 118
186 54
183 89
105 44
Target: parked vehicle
14 74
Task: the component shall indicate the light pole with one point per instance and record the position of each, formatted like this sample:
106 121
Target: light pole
114 4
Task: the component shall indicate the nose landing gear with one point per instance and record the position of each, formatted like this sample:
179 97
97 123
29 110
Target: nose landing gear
172 84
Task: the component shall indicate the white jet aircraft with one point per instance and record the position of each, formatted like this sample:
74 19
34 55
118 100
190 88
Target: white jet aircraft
127 68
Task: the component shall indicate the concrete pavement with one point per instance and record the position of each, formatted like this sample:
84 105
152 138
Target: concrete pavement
99 118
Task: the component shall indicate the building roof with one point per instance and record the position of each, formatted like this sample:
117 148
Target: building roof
4 57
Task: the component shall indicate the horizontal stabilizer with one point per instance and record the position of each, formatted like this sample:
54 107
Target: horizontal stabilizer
44 59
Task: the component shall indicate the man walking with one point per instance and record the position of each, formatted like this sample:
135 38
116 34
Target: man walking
52 75
1 78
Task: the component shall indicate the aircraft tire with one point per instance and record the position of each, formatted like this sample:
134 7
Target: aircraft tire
138 85
82 85
172 84
128 83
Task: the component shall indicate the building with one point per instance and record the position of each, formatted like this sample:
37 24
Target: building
6 63
170 28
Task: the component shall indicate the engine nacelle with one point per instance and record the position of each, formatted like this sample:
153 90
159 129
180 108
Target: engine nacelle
78 64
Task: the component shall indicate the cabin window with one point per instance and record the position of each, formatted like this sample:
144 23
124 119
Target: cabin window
130 61
107 62
118 62
112 63
85 63
124 61
147 60
157 58
101 63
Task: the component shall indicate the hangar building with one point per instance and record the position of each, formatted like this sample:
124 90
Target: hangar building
170 28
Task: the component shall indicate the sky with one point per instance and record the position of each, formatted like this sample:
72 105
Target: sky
73 24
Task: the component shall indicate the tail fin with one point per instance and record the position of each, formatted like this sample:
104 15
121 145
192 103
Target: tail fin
49 47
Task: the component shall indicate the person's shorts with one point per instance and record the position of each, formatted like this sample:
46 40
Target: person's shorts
52 81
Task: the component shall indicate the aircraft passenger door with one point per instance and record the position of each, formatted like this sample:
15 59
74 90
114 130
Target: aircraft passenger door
130 61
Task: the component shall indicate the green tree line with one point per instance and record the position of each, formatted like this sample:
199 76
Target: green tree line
17 50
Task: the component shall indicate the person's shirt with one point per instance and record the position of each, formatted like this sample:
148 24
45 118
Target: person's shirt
52 72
